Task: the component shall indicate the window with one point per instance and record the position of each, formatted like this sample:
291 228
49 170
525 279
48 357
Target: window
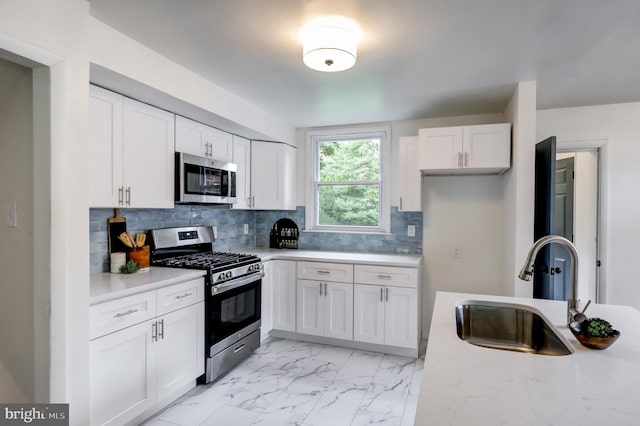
348 189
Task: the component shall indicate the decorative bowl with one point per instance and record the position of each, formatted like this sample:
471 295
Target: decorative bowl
591 341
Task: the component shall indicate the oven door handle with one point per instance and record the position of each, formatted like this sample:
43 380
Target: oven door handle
239 282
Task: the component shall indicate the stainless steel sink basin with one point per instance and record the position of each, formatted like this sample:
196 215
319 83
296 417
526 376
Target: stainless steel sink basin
511 327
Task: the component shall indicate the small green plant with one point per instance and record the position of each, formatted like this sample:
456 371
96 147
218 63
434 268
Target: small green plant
597 327
130 267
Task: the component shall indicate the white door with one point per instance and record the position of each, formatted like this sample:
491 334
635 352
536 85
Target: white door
401 317
410 184
180 349
148 156
368 313
266 308
242 158
105 148
284 295
191 137
310 307
441 148
122 375
487 146
338 310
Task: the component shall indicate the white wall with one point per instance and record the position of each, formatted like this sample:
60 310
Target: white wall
55 34
619 125
16 244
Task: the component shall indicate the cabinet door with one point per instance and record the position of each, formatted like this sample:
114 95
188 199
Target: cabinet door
368 313
401 317
441 148
180 349
410 182
487 146
272 180
338 310
191 137
220 144
242 158
310 306
148 155
105 148
266 317
122 375
284 295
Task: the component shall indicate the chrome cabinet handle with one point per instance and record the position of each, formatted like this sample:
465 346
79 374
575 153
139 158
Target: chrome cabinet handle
320 289
182 296
122 314
466 159
459 159
253 202
161 333
387 294
381 290
400 203
248 201
325 289
121 195
384 277
128 193
154 332
321 272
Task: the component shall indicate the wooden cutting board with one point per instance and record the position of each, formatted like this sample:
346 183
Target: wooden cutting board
116 225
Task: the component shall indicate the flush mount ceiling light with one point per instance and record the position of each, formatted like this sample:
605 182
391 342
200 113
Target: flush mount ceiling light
329 43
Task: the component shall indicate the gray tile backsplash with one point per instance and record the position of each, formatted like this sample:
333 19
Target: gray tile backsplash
230 230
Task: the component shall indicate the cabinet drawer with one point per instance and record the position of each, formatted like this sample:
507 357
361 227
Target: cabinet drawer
337 272
386 275
180 295
117 314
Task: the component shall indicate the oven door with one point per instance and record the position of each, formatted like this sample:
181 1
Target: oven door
231 308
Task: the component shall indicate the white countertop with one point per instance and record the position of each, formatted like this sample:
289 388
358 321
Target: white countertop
382 259
464 384
105 286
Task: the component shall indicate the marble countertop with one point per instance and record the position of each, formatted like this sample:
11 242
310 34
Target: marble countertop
466 384
105 286
381 259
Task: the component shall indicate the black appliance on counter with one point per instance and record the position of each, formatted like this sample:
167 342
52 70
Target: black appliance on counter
284 234
232 293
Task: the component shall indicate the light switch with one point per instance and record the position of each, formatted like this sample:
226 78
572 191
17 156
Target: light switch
411 231
11 216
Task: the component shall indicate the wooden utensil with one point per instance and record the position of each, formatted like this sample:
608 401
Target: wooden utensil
141 239
116 225
125 237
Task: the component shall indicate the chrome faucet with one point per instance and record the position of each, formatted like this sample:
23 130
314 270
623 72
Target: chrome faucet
526 274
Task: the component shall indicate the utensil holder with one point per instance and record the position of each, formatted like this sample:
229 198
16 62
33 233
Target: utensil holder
141 256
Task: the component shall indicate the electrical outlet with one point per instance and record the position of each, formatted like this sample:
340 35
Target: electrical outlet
411 231
246 228
455 253
11 215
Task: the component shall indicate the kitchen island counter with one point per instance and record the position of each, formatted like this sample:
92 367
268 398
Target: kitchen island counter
466 384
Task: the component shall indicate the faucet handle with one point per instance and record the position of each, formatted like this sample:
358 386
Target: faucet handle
585 307
580 316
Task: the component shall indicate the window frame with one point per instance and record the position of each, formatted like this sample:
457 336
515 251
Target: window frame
313 166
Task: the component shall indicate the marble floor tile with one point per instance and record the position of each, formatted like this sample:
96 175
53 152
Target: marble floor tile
287 382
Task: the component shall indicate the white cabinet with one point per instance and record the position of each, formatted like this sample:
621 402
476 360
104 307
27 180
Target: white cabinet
283 280
386 306
202 140
325 299
131 150
242 158
410 179
273 176
145 350
266 307
477 149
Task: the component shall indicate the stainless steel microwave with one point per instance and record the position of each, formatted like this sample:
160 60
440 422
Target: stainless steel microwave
204 180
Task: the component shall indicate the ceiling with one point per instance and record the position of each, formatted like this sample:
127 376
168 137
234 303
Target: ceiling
418 58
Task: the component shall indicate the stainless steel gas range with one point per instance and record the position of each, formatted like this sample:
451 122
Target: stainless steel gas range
232 294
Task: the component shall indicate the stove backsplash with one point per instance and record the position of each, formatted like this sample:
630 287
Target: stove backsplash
230 225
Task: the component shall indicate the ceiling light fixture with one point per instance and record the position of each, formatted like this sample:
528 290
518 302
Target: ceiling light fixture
329 43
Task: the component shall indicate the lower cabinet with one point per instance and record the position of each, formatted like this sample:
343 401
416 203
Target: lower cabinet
283 273
385 315
325 309
142 367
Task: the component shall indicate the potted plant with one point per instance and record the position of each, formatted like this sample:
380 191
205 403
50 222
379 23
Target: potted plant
594 333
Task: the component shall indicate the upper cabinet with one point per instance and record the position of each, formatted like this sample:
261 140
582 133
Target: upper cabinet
410 178
266 175
131 150
199 139
481 149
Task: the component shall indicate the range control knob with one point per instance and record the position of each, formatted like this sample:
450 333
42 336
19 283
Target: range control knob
228 274
220 277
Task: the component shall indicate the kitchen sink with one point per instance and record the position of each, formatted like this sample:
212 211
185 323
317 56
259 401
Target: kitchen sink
509 326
